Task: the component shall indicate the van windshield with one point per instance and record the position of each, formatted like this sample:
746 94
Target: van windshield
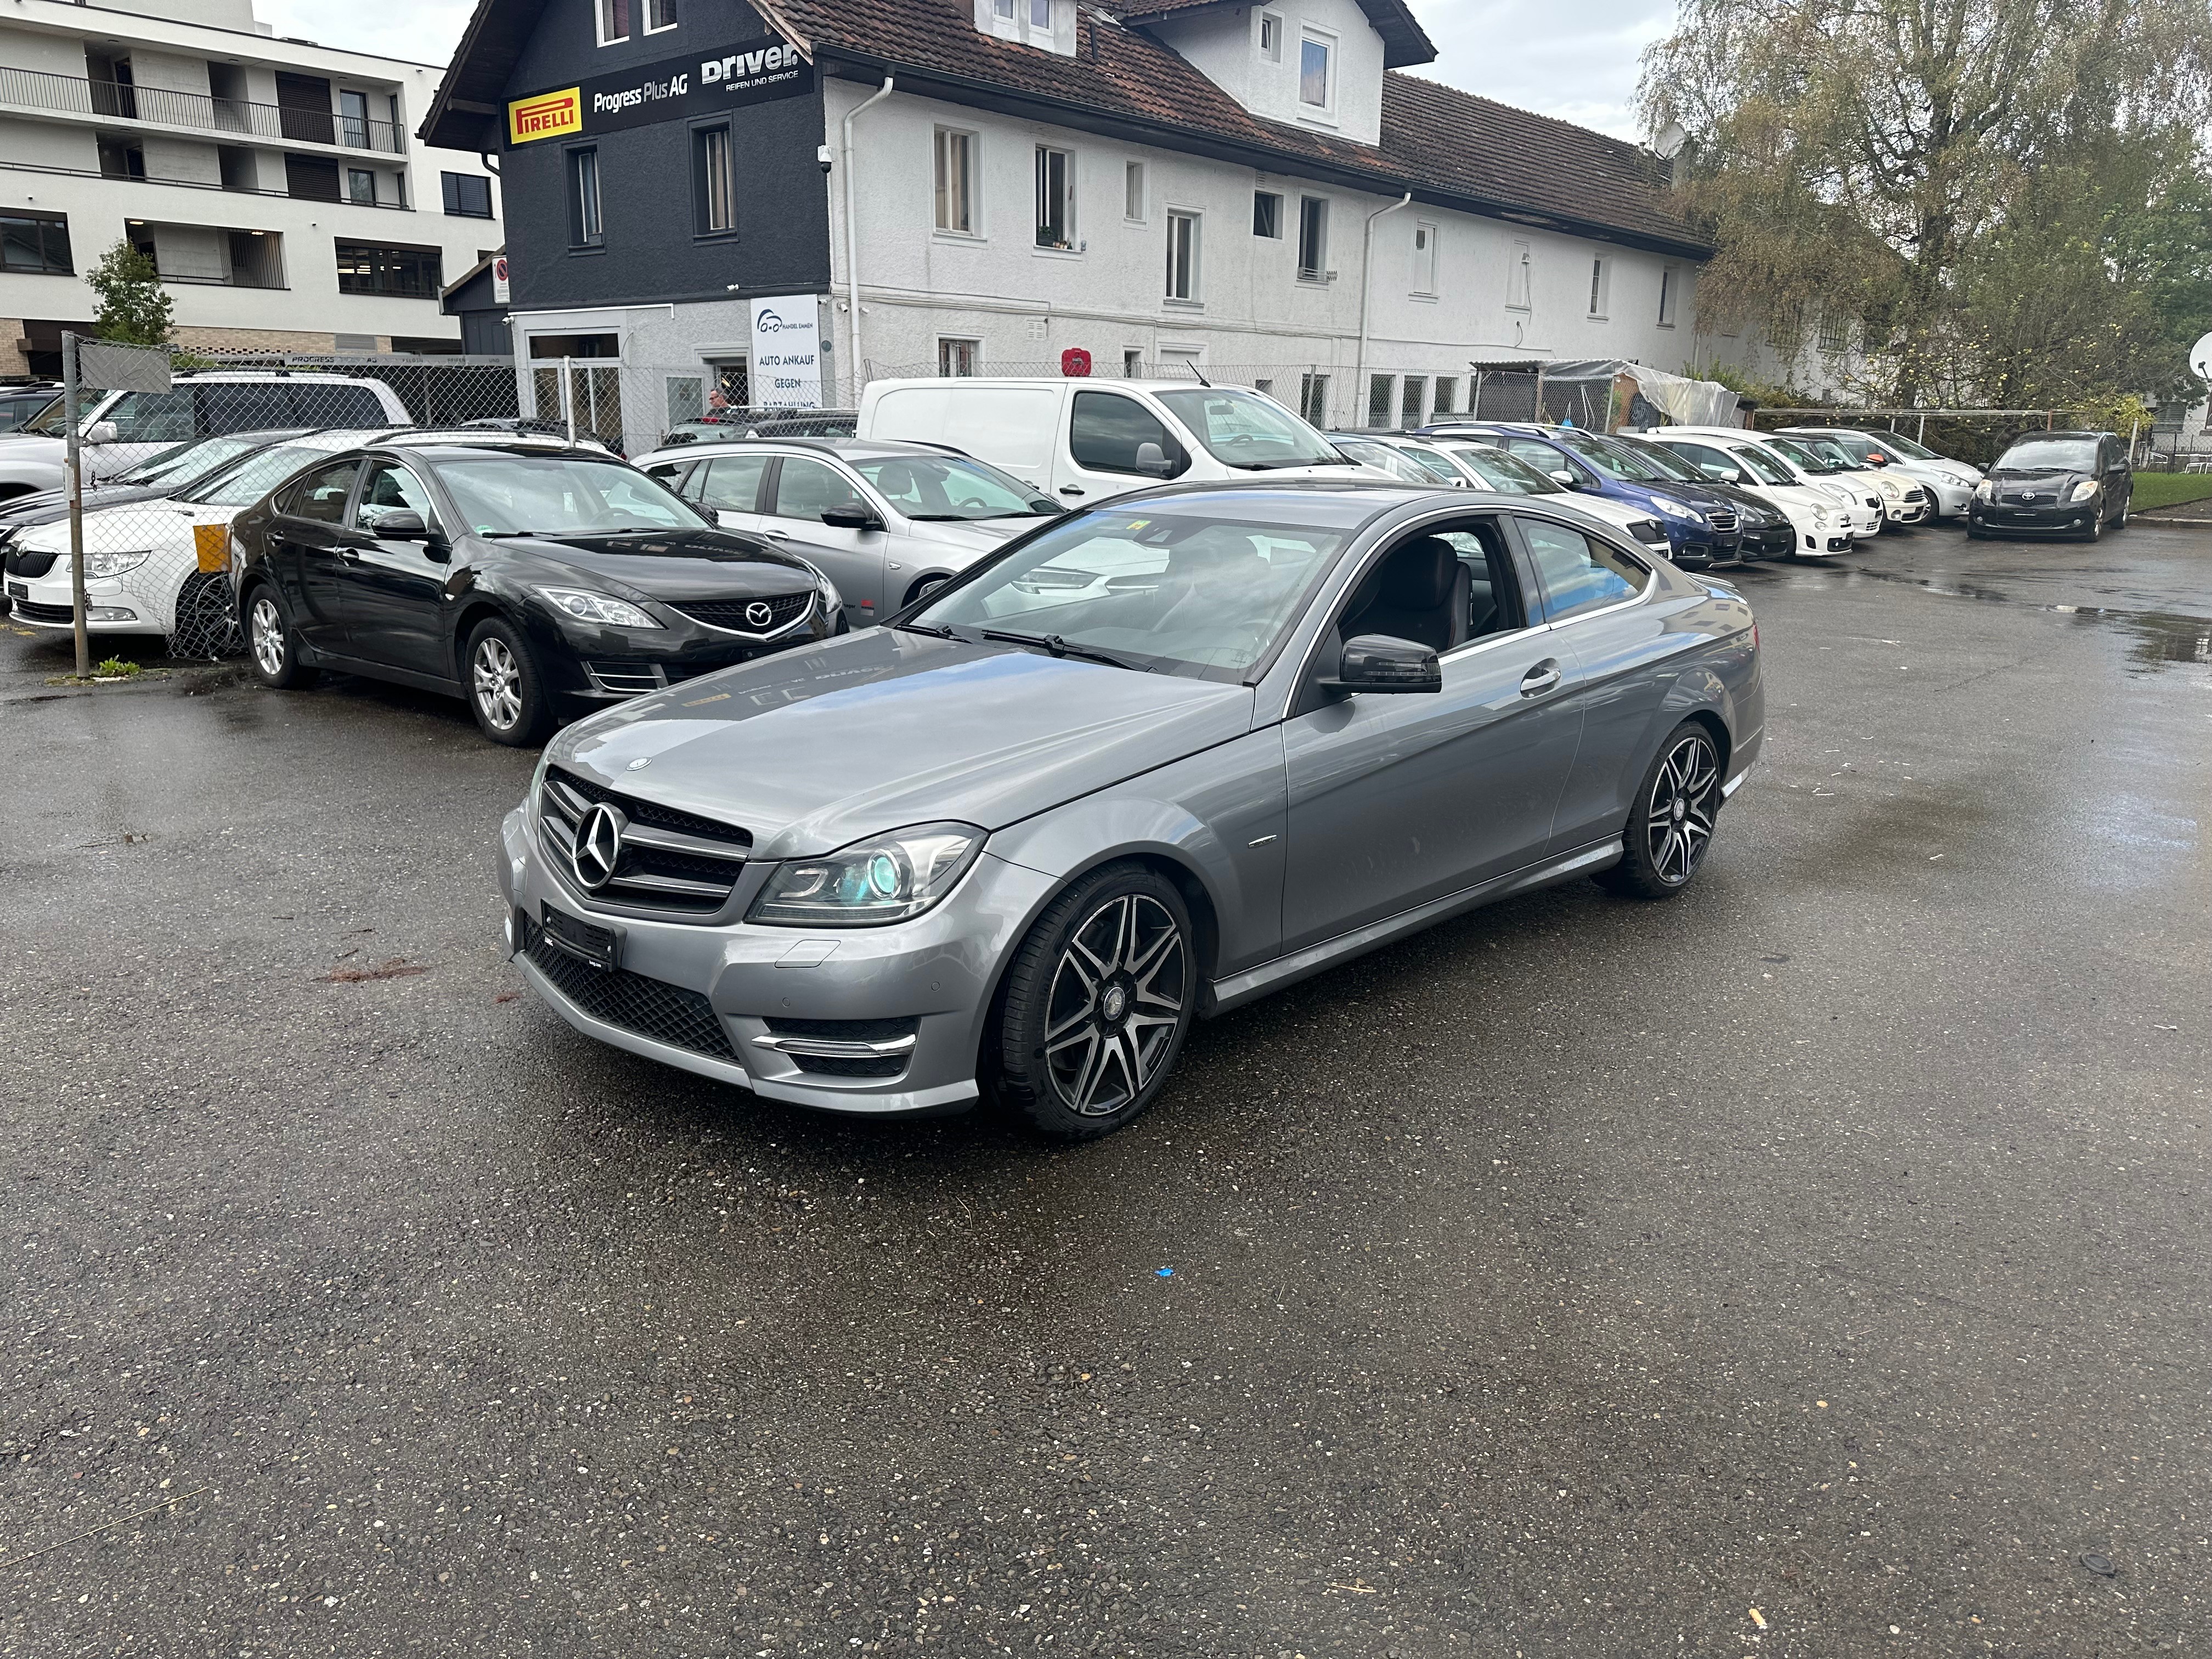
1245 430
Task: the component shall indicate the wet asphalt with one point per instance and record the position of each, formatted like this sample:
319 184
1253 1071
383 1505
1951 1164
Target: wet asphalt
1816 1265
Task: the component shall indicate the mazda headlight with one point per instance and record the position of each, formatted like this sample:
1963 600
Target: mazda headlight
1985 491
114 564
2084 492
1672 509
832 601
587 606
884 879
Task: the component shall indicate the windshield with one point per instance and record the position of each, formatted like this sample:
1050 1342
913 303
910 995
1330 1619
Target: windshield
1244 429
246 481
927 488
1906 448
49 422
1507 474
1187 592
1833 453
1611 459
187 461
561 496
1764 467
2041 454
1384 459
1790 450
1664 460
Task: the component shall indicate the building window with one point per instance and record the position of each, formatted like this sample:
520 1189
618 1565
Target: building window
659 14
121 159
714 181
1317 74
1040 13
1133 191
1446 401
408 272
1133 365
1267 215
614 21
959 360
1835 336
1270 37
1379 387
1667 296
353 119
1313 239
687 398
1055 198
1414 393
1424 258
361 187
467 195
1597 295
1182 256
585 227
1313 400
35 243
1003 10
1520 274
955 180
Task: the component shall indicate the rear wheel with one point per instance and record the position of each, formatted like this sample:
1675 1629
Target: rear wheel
1097 1002
506 693
1672 822
271 641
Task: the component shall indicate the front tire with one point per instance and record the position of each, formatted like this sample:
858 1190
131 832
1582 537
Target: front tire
2094 531
1672 822
507 692
1097 1002
273 646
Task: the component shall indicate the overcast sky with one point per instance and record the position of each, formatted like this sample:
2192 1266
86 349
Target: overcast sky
1572 58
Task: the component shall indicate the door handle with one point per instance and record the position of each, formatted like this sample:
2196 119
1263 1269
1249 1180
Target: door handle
1543 677
350 553
777 534
1070 489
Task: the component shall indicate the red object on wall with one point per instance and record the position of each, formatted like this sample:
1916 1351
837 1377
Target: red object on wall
1075 362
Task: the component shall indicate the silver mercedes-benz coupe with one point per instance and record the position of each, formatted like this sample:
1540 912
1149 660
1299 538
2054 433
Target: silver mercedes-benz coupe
1151 762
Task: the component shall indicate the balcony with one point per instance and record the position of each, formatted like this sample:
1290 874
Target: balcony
122 101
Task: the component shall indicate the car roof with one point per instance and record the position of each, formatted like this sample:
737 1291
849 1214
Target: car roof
444 447
847 448
2056 432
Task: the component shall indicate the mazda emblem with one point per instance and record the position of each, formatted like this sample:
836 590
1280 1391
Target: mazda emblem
759 614
598 846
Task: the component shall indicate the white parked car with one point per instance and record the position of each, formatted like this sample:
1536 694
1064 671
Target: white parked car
1902 502
886 522
1862 502
1084 441
1950 484
1823 524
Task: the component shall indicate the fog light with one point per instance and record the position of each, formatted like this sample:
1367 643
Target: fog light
111 613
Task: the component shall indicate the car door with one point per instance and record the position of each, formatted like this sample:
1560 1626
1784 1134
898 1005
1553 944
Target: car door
802 488
728 488
1098 456
1619 662
392 592
305 537
2119 479
1397 800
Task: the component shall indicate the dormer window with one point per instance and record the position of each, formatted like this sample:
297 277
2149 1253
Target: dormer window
1047 25
1317 73
1270 37
1040 13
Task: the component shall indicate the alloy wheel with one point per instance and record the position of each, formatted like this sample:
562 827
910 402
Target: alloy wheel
1685 797
267 635
498 680
1116 1000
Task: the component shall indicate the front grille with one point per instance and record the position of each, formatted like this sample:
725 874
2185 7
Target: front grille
44 613
1916 494
650 1007
785 611
674 863
29 561
1723 519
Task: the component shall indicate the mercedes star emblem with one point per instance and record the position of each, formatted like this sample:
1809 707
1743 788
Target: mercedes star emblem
598 846
759 614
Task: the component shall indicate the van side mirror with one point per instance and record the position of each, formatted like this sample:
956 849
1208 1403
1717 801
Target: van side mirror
850 517
1153 459
100 432
1376 662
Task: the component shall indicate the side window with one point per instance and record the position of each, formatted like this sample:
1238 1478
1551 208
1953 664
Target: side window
1493 593
1105 431
153 418
731 482
240 406
1576 573
1545 459
669 475
334 405
806 489
390 487
321 497
1713 463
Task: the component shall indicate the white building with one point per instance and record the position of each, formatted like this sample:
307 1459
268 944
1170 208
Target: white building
273 182
1254 191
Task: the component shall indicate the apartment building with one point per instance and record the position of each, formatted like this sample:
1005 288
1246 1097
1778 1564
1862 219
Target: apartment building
1257 189
273 182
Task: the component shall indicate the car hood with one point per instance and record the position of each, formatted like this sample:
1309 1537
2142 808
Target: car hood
2040 488
687 564
811 749
1753 508
976 535
31 446
45 506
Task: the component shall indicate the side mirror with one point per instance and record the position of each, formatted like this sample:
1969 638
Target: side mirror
400 526
100 432
1561 475
850 517
1153 459
1875 458
1376 662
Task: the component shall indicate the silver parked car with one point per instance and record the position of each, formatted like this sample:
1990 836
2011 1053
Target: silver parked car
1154 760
887 521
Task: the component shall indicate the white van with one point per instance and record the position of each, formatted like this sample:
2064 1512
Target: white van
1082 441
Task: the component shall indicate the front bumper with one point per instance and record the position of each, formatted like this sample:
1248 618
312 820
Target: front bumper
589 666
1907 513
721 1000
2070 519
47 602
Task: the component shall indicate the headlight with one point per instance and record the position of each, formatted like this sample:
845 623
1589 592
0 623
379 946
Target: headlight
888 878
1984 491
2086 490
597 607
113 564
1674 508
831 599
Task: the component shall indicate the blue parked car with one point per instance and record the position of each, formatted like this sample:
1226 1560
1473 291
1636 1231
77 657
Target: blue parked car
1703 526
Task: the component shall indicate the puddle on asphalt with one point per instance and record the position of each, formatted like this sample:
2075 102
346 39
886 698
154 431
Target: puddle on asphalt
2159 637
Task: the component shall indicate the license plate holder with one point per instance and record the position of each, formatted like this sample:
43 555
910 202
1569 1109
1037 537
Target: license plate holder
590 944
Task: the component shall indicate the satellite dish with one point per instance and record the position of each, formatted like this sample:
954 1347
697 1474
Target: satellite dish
1668 141
2200 359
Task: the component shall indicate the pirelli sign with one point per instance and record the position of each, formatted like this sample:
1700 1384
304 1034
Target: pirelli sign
677 89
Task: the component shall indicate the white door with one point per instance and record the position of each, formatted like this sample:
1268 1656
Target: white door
1102 448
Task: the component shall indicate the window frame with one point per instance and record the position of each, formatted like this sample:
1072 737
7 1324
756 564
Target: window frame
661 8
1137 189
353 177
1042 168
1532 576
1266 23
1669 294
971 182
48 223
1600 294
288 505
951 346
701 135
1274 232
380 259
451 186
1331 45
1314 208
360 492
1193 257
603 18
1425 261
1520 274
587 222
1175 452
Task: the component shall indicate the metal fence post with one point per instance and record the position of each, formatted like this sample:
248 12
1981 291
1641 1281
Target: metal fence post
568 396
75 469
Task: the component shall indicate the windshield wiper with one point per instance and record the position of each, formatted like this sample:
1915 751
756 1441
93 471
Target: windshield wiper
1053 645
930 629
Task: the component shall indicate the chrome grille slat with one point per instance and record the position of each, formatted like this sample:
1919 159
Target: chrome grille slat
650 884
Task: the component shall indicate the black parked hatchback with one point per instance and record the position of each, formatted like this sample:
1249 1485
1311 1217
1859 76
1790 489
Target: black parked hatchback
540 585
2068 483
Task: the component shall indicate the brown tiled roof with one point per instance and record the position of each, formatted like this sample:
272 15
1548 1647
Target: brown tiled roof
1404 40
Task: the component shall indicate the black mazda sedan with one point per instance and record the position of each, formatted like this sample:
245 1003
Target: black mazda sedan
540 585
2073 483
